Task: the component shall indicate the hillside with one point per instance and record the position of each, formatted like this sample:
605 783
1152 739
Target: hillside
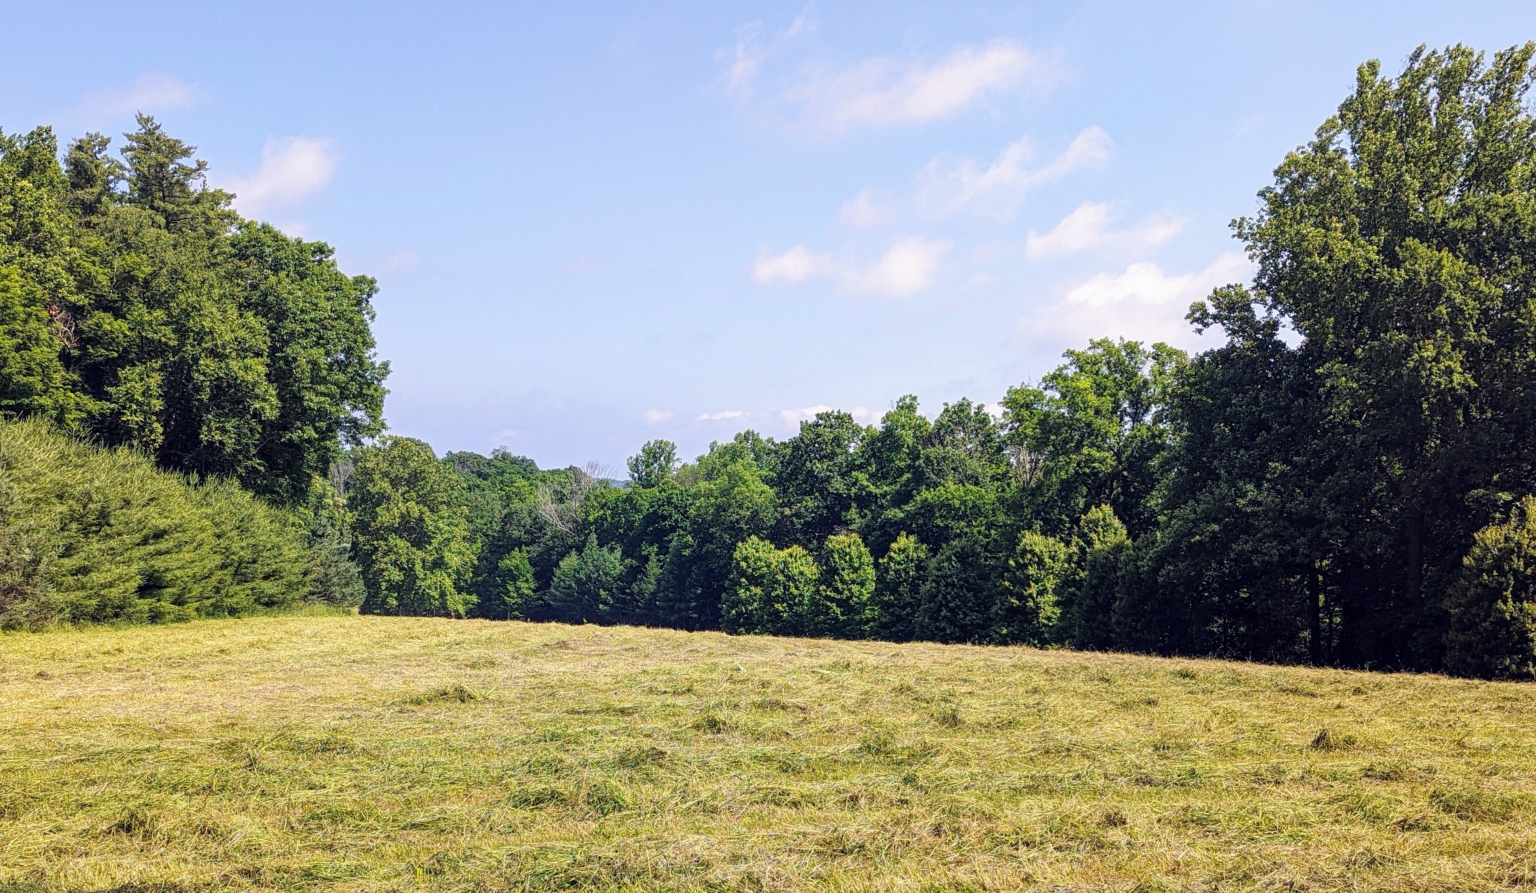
352 753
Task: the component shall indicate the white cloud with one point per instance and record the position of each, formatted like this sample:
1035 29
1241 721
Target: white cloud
906 267
750 51
946 188
861 414
1142 303
652 416
863 210
1088 228
745 57
150 93
878 92
793 266
721 416
791 416
290 170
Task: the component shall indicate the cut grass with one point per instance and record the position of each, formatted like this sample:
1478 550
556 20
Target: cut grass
361 753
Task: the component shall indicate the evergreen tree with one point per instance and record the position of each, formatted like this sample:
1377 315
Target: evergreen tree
898 589
842 606
1027 608
1492 605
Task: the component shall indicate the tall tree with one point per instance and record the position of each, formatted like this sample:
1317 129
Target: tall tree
148 314
1093 433
1398 244
411 530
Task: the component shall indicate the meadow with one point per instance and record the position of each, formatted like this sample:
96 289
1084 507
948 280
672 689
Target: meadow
347 752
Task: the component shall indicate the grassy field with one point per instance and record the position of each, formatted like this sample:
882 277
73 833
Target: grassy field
359 753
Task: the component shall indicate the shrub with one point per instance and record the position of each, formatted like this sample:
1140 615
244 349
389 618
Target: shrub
844 604
94 535
1492 606
898 589
1026 608
769 589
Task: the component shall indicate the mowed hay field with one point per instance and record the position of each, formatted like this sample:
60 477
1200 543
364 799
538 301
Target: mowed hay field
365 753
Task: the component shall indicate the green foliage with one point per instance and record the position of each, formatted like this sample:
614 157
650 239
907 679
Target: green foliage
898 589
1397 245
1094 431
411 530
959 590
93 535
513 588
336 579
770 590
33 380
728 505
588 585
816 478
139 307
1027 608
1091 583
843 606
656 462
1492 605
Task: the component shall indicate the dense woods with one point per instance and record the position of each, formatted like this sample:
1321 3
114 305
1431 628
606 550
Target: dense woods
141 315
1349 479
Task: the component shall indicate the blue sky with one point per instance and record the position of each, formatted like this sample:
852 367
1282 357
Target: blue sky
597 224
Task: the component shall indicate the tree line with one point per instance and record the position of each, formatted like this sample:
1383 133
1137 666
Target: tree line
1347 479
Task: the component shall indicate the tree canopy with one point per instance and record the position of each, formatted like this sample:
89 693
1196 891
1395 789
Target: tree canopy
1349 478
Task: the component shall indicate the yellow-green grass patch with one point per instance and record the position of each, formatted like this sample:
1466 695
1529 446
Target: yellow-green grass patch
365 753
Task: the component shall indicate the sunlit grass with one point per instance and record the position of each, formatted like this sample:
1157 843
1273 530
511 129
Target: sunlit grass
357 753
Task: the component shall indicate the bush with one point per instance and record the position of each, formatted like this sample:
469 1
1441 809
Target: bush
1091 583
1027 609
1492 606
769 590
959 590
898 589
94 535
844 603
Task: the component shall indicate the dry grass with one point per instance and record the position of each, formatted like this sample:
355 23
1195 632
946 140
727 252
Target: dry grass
355 753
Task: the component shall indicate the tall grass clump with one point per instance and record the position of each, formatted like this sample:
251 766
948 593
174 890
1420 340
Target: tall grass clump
89 535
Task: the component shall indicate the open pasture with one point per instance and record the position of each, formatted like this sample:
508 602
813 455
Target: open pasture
366 753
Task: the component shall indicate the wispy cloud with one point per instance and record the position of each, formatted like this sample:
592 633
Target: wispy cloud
1141 303
405 260
654 416
864 210
290 170
751 49
906 268
948 187
721 416
879 92
792 267
1089 228
149 93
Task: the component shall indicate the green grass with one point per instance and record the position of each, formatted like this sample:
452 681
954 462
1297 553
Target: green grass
359 753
